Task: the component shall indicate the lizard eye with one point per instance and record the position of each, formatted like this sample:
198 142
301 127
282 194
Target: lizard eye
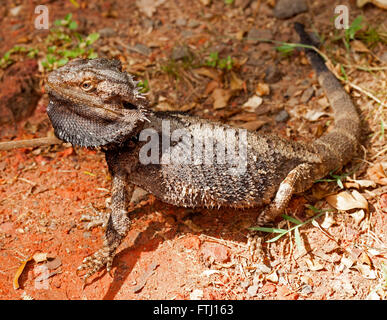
87 85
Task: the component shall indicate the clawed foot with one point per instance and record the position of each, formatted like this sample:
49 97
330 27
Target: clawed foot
98 219
254 246
101 258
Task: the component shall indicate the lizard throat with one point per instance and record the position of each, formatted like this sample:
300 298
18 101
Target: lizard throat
79 125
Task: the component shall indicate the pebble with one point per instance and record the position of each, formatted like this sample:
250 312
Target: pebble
272 74
252 290
180 52
181 22
288 8
193 24
107 32
307 95
255 34
282 116
143 49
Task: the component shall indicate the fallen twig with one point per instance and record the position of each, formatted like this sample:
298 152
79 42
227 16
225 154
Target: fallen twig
30 143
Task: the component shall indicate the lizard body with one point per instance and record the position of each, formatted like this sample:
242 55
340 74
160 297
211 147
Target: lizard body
93 103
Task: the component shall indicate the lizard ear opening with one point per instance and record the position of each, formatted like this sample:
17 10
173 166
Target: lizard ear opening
129 105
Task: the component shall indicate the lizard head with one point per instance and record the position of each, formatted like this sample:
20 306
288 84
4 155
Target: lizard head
93 103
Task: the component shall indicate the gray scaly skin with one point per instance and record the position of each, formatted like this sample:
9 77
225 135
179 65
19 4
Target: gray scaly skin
94 104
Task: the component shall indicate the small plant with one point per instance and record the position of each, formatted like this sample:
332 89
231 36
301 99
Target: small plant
229 2
8 57
298 225
337 178
360 30
64 43
223 64
144 86
350 33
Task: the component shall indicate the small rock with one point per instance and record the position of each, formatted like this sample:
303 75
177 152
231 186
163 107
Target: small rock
307 95
143 49
272 74
87 234
187 33
282 116
107 32
245 284
217 252
148 23
307 289
273 277
181 22
197 294
268 288
54 264
253 103
263 268
243 4
252 290
255 34
180 52
384 57
138 195
15 10
193 24
17 26
288 8
262 89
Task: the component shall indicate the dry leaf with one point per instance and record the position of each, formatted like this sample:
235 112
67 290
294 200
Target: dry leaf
244 117
377 174
253 103
40 257
358 216
314 115
192 226
314 265
148 6
359 183
347 262
205 2
366 271
208 273
254 125
262 89
359 46
221 98
273 277
211 86
328 221
365 259
208 72
197 294
347 201
235 82
380 3
18 273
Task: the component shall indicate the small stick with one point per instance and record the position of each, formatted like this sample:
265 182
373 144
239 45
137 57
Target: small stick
31 143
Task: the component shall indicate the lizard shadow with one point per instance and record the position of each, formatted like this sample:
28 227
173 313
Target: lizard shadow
225 224
126 259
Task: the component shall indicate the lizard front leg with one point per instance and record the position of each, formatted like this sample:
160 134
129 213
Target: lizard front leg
117 226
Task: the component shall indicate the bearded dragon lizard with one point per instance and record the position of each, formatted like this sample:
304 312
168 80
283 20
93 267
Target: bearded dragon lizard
94 104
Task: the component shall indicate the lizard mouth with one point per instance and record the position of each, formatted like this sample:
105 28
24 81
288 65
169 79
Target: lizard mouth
91 125
60 93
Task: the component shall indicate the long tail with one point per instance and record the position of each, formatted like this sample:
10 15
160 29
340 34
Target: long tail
341 144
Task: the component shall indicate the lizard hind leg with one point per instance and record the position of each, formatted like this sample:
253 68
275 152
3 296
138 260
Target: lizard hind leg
298 180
